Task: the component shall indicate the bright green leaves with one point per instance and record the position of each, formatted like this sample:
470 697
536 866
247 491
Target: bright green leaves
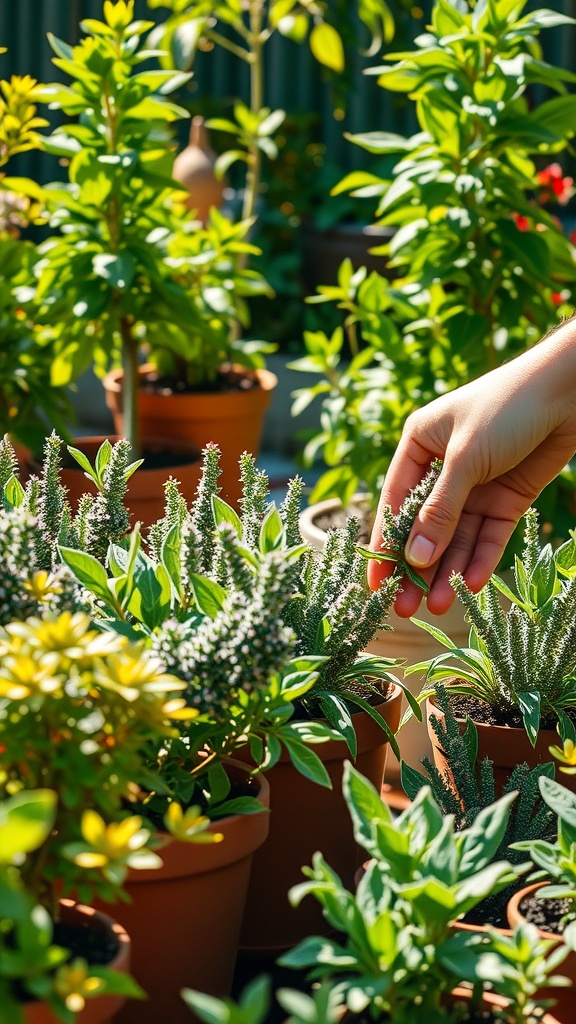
26 820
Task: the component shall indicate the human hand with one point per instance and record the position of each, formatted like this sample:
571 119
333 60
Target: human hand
502 438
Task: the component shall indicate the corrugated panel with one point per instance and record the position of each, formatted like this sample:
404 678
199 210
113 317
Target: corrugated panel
293 79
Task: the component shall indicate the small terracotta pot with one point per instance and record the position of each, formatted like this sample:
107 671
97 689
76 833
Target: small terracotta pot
185 917
233 419
306 817
145 494
101 1009
564 1008
506 745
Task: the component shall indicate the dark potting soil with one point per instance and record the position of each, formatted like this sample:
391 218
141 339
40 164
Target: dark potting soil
227 379
88 940
95 944
545 914
463 705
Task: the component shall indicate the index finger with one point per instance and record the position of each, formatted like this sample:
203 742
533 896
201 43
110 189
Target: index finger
407 467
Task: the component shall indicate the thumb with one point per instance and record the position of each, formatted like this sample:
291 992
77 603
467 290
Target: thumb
436 522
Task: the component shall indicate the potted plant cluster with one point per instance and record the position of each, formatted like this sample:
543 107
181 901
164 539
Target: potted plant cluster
397 954
265 637
129 275
230 603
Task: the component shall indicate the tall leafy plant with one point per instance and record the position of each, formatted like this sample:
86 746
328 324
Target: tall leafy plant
124 268
481 268
27 400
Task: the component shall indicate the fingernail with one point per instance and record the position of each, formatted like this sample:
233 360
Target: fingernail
420 550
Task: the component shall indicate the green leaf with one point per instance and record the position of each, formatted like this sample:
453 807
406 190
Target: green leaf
529 703
306 761
13 492
411 780
117 270
84 463
170 556
337 713
208 595
559 799
224 513
365 805
88 571
271 532
25 822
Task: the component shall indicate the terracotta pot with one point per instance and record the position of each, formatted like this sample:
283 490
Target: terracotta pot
405 640
506 745
460 994
306 817
145 495
185 917
231 419
564 1008
102 1009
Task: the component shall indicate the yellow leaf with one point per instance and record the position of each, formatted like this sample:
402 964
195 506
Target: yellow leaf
326 46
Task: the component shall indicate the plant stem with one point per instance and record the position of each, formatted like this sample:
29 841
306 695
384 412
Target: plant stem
256 97
130 389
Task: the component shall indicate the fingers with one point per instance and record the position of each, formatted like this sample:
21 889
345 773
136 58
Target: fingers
408 465
440 516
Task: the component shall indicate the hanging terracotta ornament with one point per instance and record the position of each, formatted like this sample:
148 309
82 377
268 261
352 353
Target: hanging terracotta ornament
194 168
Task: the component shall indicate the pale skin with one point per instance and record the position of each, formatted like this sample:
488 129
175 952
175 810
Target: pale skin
502 438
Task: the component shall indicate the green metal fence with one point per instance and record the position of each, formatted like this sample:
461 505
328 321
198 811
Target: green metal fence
294 81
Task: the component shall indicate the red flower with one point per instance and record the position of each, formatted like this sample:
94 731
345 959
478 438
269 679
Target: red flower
521 222
551 178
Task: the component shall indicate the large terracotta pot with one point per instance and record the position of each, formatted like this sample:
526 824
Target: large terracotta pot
232 419
101 1009
566 997
306 817
507 746
185 917
405 640
145 494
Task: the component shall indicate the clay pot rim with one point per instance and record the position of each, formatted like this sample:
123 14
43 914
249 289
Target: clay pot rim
316 536
515 915
266 379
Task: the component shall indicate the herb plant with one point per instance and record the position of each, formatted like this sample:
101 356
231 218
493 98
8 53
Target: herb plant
521 662
399 957
216 556
395 527
467 787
